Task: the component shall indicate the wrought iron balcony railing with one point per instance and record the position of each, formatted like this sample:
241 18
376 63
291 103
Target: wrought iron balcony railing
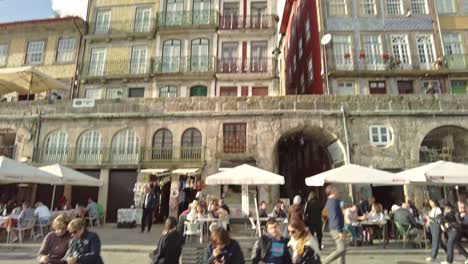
187 18
249 65
167 154
457 62
145 26
192 64
254 22
128 67
191 153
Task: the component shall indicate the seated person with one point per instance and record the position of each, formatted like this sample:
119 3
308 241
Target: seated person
223 205
42 213
352 224
403 216
280 210
262 210
376 216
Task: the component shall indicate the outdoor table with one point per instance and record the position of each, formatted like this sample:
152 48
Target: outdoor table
204 221
127 216
383 225
3 221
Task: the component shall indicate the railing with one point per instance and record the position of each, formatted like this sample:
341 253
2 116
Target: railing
123 27
191 64
191 153
117 67
457 62
187 18
254 22
8 151
234 146
151 154
249 65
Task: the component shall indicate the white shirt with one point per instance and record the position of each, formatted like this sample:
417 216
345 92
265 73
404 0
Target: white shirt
435 212
42 212
146 200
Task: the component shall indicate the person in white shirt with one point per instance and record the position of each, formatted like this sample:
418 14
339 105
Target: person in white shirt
434 219
377 216
42 213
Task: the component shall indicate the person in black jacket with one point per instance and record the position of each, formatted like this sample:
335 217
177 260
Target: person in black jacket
149 203
223 249
451 223
271 247
169 245
303 244
85 246
313 216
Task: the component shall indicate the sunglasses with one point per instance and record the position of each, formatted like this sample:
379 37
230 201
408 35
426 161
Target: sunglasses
292 231
74 232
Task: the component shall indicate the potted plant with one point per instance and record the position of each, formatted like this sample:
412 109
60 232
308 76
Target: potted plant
362 55
347 55
385 56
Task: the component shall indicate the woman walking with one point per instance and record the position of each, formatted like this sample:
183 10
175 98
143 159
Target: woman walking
434 219
451 223
305 247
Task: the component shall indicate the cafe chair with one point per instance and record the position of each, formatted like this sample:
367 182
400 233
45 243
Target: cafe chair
92 218
21 230
402 233
192 229
43 228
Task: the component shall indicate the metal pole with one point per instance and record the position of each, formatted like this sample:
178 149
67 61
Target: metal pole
53 198
258 217
325 61
348 157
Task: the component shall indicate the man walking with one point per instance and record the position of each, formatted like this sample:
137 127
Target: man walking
271 247
313 216
335 225
148 208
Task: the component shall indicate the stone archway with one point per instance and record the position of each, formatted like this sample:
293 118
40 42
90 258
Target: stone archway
445 143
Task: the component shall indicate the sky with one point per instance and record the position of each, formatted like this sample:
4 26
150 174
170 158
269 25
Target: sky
17 10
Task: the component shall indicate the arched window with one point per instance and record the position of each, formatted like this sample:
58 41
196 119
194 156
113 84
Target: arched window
200 60
90 147
55 147
199 91
174 12
171 56
191 144
168 91
201 12
125 147
162 145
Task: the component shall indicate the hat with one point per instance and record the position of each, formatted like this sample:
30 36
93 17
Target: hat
343 203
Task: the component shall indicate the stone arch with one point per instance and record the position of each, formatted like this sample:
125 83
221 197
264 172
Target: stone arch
446 142
89 146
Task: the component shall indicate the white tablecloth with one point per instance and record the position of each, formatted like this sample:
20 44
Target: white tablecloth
128 215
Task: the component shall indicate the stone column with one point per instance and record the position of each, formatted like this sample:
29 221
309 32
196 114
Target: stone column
104 190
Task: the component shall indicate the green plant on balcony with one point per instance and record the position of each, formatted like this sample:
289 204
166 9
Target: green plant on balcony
391 62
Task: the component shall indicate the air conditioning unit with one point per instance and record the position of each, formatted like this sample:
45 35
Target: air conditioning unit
83 103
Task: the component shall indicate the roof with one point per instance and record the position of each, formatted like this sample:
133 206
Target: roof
41 21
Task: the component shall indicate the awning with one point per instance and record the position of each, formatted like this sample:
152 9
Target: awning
355 174
12 171
156 172
69 176
188 172
440 172
24 80
245 175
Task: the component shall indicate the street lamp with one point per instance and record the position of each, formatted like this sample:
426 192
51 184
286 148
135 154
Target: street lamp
326 39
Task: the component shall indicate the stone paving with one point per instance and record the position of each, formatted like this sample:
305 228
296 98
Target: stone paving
130 246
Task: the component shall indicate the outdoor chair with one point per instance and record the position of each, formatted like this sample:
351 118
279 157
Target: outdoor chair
21 230
402 233
91 218
192 229
42 228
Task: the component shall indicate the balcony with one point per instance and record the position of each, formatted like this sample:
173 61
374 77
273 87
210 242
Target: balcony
192 64
123 28
187 19
7 151
234 66
457 62
253 22
116 69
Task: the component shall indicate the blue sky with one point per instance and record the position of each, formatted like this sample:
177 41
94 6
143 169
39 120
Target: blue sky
15 10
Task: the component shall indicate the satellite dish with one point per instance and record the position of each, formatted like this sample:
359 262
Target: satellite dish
326 39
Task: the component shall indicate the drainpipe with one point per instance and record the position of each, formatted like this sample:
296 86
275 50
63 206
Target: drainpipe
38 131
79 57
348 155
441 41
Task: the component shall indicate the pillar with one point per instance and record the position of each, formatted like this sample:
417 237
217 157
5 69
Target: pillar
67 192
104 190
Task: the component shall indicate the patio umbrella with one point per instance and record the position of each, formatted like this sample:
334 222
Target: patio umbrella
12 171
440 172
355 174
27 80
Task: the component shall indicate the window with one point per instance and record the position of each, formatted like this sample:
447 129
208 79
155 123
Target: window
3 55
201 12
337 7
139 61
103 20
465 6
174 12
162 145
234 138
294 63
380 135
259 91
301 51
230 17
419 7
345 88
445 6
307 29
405 87
369 8
228 91
143 19
454 51
459 87
55 147
90 147
258 56
66 50
200 59
229 60
168 91
258 15
114 93
191 144
125 147
426 50
310 67
95 93
400 49
377 87
97 62
342 50
171 56
35 52
431 87
137 92
394 7
199 91
373 51
302 84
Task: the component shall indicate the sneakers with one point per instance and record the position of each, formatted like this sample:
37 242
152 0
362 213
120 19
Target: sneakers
430 259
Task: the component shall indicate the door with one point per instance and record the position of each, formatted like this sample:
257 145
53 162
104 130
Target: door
425 51
229 59
139 62
97 62
200 59
201 12
174 12
143 19
103 20
258 15
171 56
230 18
258 55
121 184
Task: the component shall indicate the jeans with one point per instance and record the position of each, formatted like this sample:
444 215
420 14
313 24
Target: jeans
453 241
436 240
356 232
340 251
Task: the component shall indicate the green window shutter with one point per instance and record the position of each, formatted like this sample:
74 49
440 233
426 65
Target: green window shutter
199 91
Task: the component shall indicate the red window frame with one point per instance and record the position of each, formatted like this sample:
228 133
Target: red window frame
260 91
228 91
235 137
377 90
